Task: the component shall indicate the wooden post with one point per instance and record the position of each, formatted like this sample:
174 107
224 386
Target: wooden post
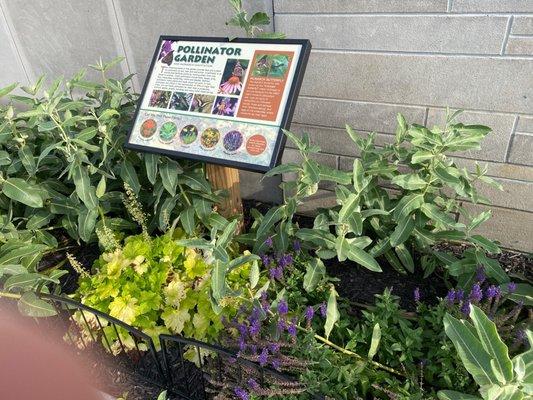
226 178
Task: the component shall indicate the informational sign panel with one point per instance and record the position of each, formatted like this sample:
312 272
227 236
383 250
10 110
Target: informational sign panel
220 101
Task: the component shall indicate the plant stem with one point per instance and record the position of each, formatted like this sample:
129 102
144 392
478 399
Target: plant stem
184 195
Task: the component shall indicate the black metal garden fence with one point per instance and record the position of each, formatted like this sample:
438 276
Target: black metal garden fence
188 369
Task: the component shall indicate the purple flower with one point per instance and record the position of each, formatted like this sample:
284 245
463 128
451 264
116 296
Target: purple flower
292 329
511 287
450 297
285 260
476 294
276 273
465 309
266 260
275 364
242 343
263 357
281 325
242 329
323 310
241 394
416 295
297 246
264 300
274 348
493 291
309 314
283 307
520 336
268 241
460 294
480 275
255 327
252 384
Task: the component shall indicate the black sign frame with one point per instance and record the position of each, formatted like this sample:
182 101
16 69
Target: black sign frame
286 120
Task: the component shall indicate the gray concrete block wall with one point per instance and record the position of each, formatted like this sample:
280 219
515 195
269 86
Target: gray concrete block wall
371 59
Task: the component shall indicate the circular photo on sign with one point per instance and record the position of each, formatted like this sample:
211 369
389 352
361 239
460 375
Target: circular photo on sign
233 140
148 128
256 145
168 131
210 138
189 134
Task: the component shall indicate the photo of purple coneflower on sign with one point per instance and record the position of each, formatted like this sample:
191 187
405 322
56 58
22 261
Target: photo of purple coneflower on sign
233 77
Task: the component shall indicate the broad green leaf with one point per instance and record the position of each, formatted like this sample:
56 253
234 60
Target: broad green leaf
84 190
271 217
421 156
227 234
311 172
32 306
165 212
355 222
22 281
101 187
358 176
405 257
479 219
374 343
409 181
28 161
195 180
169 176
260 18
187 220
86 223
284 169
487 244
195 243
492 343
334 175
241 260
492 267
217 221
202 206
317 236
295 139
349 206
475 359
402 231
39 219
523 366
13 256
5 159
128 175
12 269
7 89
452 395
332 313
19 190
150 163
358 255
408 204
434 213
315 271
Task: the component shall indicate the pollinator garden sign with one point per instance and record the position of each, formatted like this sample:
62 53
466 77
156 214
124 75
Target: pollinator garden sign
220 101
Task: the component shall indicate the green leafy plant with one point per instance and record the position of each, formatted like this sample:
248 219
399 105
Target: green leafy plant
63 169
486 358
252 26
401 199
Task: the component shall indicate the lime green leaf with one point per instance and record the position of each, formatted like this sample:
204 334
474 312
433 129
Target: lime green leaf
19 190
255 274
452 395
421 156
7 89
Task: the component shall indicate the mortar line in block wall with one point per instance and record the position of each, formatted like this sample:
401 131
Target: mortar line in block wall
403 14
15 43
407 105
507 33
511 139
273 17
423 53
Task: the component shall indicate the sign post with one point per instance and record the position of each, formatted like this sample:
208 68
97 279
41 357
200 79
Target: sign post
222 102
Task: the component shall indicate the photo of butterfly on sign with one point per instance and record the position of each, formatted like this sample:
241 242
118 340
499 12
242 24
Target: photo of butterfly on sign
221 101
